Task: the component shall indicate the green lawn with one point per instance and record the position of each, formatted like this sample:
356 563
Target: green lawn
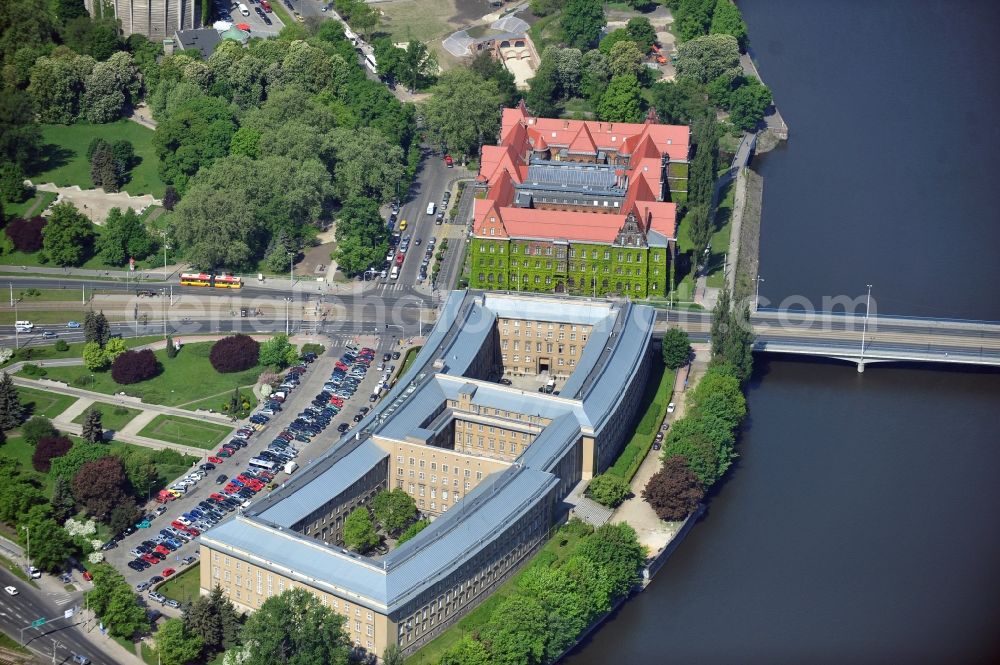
185 431
578 108
64 155
423 20
44 403
32 207
113 416
558 548
720 237
8 642
183 587
188 377
51 318
411 355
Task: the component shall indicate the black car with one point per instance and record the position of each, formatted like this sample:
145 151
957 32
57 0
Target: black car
221 479
343 427
134 564
395 355
207 466
129 530
504 382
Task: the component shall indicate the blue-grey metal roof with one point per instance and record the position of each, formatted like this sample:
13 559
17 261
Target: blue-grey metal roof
657 239
515 306
302 558
593 351
413 411
572 176
480 518
508 398
549 446
310 496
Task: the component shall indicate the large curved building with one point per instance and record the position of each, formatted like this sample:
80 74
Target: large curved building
490 464
157 19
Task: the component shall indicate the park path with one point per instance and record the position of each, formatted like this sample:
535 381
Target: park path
135 425
653 532
75 409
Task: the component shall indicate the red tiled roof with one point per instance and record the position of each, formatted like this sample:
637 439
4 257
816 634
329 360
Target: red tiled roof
561 224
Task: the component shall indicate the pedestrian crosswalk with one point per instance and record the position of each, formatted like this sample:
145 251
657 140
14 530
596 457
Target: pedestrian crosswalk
61 599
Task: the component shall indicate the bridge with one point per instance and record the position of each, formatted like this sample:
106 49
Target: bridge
849 338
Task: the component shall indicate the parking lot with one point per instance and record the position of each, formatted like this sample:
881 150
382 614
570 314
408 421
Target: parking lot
311 383
229 11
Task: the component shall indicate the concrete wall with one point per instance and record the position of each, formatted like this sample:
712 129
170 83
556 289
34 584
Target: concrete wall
157 19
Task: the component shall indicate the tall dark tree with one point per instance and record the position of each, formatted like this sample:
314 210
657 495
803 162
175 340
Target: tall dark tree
20 135
92 430
102 486
674 491
102 329
676 348
581 22
63 503
214 619
701 179
47 448
732 335
294 627
11 409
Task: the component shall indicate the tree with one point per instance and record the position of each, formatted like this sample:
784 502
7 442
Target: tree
581 22
359 532
491 69
748 103
692 18
194 135
718 397
134 366
468 650
417 65
37 428
214 619
707 58
701 177
124 237
700 229
81 453
69 9
170 197
361 236
12 187
294 627
122 517
20 135
609 490
102 168
368 165
278 351
394 509
676 348
622 101
615 550
26 234
641 31
412 531
50 546
707 451
392 655
57 85
463 111
101 485
11 409
63 504
67 236
94 357
92 430
727 20
171 348
235 353
47 448
612 39
124 616
175 645
674 491
514 633
625 58
140 469
732 336
111 89
543 91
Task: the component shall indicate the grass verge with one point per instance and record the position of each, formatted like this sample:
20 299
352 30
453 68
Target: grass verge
9 643
187 377
411 355
15 570
44 403
720 238
184 586
113 416
31 207
659 391
73 350
185 431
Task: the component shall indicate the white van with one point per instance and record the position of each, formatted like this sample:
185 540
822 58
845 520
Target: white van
24 326
244 10
395 273
430 208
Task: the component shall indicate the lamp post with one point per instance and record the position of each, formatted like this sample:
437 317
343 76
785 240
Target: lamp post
864 328
291 269
17 339
756 298
287 328
163 234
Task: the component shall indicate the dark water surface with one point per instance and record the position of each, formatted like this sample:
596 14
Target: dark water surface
860 524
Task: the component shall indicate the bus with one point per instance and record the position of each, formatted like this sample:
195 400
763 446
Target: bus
217 281
259 463
370 61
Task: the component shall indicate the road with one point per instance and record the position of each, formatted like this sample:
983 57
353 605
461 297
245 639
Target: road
65 634
317 374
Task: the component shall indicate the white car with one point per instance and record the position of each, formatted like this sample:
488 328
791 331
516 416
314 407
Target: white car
670 407
11 590
34 572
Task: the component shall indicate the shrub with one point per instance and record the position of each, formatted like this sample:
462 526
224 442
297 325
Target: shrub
61 345
33 370
609 490
318 349
674 491
47 448
26 234
134 366
36 429
234 354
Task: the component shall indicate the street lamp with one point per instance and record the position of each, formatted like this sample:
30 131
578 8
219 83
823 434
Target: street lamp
756 299
864 327
291 269
17 339
165 247
287 301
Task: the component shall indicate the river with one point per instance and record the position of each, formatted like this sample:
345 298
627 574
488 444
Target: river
858 525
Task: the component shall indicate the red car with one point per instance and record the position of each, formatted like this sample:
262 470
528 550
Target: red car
178 525
448 161
162 550
216 496
167 572
255 485
265 475
193 531
216 460
150 559
87 576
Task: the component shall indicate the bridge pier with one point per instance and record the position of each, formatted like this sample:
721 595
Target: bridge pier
861 366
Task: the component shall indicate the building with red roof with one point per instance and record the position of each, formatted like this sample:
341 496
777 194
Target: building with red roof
579 206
